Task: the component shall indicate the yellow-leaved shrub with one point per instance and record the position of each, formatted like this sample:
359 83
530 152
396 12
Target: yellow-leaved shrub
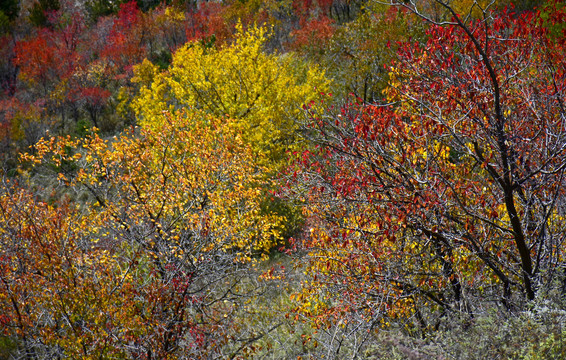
263 92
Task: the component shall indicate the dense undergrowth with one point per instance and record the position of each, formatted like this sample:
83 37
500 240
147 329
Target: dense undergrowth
282 179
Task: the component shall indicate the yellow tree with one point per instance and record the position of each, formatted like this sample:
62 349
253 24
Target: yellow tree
263 92
179 209
60 294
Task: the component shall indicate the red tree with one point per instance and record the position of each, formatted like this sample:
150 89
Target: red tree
449 193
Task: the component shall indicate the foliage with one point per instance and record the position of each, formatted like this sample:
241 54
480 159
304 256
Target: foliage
10 9
56 287
169 220
356 56
431 179
447 196
262 92
38 59
99 8
488 335
41 10
78 72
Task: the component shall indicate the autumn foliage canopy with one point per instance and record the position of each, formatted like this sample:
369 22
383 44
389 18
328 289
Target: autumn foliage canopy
293 179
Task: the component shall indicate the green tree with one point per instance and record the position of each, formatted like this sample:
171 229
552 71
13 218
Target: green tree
40 10
9 10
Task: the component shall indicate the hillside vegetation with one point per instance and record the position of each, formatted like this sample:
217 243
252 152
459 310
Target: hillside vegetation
282 179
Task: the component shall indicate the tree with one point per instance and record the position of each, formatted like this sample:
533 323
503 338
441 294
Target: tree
262 92
100 8
41 10
8 13
61 294
170 223
448 196
354 54
125 45
10 9
38 60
